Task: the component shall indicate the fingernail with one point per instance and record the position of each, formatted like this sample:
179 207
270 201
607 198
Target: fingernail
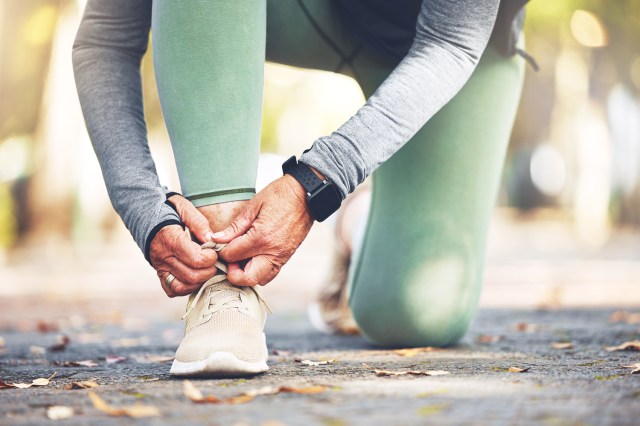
218 235
209 236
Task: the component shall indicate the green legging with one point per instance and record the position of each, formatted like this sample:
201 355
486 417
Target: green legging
417 276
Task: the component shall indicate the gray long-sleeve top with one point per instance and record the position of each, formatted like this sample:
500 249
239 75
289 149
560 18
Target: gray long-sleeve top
113 36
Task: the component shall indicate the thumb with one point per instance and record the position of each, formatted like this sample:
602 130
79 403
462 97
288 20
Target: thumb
240 225
193 219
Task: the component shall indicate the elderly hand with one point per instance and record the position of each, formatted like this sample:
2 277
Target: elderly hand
173 252
266 233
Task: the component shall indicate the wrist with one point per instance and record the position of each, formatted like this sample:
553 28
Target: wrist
321 196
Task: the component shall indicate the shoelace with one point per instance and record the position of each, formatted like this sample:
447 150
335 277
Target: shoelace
231 300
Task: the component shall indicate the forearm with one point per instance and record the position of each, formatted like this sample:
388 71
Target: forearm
106 59
446 49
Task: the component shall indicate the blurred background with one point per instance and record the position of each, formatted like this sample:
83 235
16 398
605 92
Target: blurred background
566 231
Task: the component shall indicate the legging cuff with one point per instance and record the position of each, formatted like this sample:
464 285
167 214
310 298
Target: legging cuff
224 196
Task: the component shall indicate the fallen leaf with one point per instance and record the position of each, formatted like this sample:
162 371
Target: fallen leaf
35 382
562 345
191 392
315 363
194 394
86 384
518 370
37 351
113 359
626 317
137 410
413 351
59 412
148 378
61 344
636 368
382 373
484 339
626 346
86 363
5 385
266 390
305 391
526 327
147 359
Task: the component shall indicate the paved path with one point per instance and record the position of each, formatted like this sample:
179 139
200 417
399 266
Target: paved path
584 385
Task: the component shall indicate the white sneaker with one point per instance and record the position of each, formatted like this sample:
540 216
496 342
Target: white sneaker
224 330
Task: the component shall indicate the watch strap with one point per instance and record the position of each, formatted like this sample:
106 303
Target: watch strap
303 174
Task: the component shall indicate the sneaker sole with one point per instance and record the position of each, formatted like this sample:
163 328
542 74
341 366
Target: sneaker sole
218 364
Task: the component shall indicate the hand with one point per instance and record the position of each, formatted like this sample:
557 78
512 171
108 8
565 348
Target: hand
266 233
173 252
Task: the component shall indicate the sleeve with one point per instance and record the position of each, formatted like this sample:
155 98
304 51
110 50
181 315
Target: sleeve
450 38
109 46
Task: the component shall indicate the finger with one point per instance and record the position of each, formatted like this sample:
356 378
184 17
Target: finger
191 254
241 224
258 271
175 287
192 218
243 247
187 275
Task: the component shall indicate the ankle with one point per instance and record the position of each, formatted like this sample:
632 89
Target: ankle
221 215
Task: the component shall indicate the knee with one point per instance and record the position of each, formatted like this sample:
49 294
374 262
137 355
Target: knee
432 306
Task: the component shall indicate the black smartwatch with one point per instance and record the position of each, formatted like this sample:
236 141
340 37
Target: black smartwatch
323 198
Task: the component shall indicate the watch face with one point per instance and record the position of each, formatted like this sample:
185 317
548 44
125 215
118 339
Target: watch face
324 202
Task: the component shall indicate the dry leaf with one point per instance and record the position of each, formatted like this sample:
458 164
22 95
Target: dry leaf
194 394
59 412
37 351
35 382
146 359
128 411
562 345
305 391
382 373
518 370
626 346
191 392
86 363
413 351
61 344
315 363
526 327
267 390
113 359
636 368
86 384
626 317
484 339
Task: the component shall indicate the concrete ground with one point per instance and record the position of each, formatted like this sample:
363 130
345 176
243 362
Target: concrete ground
583 385
541 288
